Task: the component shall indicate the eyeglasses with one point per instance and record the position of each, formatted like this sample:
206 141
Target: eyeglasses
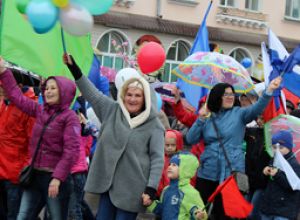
228 95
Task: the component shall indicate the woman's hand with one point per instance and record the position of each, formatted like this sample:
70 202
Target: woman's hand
53 189
176 92
67 59
71 64
146 199
274 84
204 112
2 65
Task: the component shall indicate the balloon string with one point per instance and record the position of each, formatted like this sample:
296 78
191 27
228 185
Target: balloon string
63 40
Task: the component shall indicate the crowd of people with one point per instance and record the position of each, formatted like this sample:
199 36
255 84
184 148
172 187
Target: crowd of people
139 164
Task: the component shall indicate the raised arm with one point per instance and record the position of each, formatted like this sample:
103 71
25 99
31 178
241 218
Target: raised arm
101 104
185 117
250 113
14 93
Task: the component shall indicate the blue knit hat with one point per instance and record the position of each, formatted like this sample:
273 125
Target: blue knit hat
175 159
283 138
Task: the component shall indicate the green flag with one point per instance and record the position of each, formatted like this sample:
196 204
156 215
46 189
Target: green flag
39 53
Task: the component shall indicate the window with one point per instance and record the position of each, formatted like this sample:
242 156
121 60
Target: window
292 9
252 5
110 47
177 53
239 54
227 3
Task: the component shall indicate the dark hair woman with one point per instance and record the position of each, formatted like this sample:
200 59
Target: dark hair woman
231 122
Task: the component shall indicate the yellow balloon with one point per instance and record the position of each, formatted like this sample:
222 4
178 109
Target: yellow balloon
60 3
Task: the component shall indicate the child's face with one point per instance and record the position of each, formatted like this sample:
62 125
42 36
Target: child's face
283 150
170 146
173 171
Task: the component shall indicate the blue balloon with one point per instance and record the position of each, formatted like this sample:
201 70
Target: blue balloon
42 15
246 62
159 101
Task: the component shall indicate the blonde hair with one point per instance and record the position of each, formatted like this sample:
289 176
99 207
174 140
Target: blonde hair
131 83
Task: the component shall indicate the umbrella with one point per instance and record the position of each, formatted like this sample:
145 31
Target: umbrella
165 91
209 68
283 122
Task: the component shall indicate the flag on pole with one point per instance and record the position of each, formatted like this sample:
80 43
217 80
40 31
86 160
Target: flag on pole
234 203
39 53
281 163
194 93
271 62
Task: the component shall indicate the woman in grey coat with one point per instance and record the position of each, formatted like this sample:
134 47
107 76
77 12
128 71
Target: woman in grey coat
129 158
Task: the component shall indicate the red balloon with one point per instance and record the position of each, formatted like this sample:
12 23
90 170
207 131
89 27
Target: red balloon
151 57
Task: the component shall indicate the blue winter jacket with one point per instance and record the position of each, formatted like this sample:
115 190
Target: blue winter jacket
279 199
231 124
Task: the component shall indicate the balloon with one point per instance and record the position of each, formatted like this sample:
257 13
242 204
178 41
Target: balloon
60 3
76 20
159 101
246 62
95 7
151 57
22 5
42 15
125 74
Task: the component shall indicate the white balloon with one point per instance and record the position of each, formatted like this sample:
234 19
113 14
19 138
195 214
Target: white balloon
76 20
125 74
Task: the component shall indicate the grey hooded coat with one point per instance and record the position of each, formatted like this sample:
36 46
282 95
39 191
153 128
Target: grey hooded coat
129 155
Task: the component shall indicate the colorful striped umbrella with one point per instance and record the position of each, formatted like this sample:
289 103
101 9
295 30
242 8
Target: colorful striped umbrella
209 68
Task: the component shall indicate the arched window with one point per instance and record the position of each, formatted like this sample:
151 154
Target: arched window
177 53
239 54
110 47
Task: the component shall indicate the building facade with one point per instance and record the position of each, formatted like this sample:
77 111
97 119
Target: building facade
237 26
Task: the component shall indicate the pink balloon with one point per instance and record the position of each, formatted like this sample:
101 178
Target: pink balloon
151 57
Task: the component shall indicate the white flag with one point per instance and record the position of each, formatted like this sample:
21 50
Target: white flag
281 163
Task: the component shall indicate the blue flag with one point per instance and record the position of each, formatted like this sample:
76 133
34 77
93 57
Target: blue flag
101 82
194 93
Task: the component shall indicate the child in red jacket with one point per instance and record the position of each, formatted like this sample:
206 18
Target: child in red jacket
173 144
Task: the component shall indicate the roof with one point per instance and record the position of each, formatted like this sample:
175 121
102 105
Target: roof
158 25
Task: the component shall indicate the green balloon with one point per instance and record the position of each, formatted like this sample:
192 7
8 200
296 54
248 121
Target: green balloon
22 5
95 7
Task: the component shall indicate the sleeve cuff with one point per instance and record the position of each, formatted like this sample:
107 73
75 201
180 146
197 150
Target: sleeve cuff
151 192
268 93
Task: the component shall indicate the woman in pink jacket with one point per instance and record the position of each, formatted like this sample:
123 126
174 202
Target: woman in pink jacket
59 145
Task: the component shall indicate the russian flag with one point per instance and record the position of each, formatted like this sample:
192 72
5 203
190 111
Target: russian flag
276 53
278 62
291 78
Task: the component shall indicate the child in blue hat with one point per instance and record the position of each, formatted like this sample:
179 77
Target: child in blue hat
280 201
180 200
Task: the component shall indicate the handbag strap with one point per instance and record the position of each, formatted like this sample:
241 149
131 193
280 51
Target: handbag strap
51 118
221 144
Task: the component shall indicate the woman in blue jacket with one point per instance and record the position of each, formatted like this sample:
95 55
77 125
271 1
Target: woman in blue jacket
231 123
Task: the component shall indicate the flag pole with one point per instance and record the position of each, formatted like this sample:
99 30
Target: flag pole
63 40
